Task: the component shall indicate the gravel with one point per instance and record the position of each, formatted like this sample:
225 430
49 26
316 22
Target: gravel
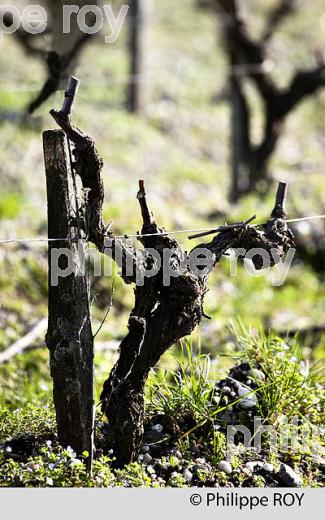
288 477
269 468
241 391
320 461
254 373
147 459
187 476
225 466
200 460
199 467
246 404
157 428
165 467
253 465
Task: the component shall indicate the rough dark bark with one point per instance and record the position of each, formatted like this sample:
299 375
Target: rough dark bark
162 313
88 165
247 61
69 337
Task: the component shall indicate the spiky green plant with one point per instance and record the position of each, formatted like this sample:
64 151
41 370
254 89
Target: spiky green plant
295 388
185 390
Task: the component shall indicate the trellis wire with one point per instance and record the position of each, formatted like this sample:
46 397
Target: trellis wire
125 236
139 235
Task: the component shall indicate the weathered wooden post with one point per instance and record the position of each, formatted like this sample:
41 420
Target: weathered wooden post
69 337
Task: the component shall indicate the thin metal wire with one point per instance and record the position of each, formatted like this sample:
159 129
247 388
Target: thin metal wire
139 235
313 217
27 240
125 236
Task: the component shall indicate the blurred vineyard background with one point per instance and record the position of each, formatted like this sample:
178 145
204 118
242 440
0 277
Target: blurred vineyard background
180 147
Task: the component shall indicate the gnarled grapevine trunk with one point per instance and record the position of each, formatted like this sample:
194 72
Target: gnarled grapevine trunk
165 309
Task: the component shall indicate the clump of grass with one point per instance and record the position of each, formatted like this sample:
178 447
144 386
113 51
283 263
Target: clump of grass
289 391
185 397
185 391
295 388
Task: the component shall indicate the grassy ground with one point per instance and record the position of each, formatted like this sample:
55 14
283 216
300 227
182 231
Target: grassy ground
188 437
181 150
